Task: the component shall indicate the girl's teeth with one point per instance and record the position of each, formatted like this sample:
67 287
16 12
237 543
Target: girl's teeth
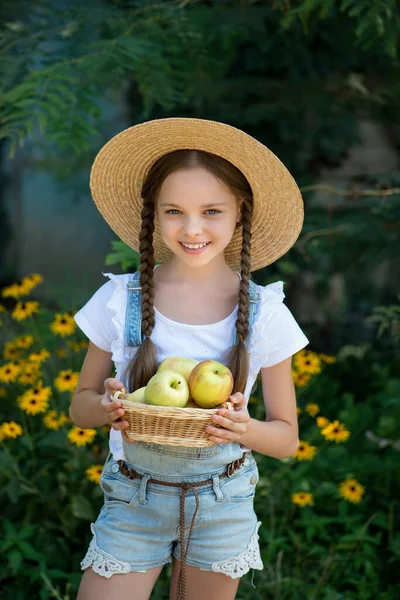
194 246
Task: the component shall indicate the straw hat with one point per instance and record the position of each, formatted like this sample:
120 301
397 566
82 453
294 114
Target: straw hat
121 167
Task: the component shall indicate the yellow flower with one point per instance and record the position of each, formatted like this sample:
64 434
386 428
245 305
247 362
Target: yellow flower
39 357
2 308
24 341
94 473
36 278
9 372
80 437
31 281
335 432
351 490
63 325
328 359
23 310
13 291
298 410
322 421
3 392
302 498
312 409
51 420
61 352
32 406
84 344
35 400
63 419
66 381
11 352
30 372
300 379
305 451
307 361
10 430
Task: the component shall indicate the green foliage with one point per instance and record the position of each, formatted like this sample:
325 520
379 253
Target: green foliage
388 319
46 496
123 255
243 63
335 548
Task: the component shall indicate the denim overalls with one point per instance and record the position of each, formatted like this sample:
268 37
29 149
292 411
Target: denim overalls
140 524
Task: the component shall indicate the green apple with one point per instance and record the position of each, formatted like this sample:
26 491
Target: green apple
167 388
180 364
137 396
210 383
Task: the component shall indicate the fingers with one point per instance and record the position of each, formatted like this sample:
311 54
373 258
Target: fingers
126 438
111 385
113 408
238 400
239 416
231 425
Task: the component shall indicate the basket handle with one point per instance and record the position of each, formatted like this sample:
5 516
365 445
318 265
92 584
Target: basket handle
118 394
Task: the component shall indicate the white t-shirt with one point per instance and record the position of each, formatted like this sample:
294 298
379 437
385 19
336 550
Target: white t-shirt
275 334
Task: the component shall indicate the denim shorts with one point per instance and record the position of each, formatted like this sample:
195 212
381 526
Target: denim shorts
138 527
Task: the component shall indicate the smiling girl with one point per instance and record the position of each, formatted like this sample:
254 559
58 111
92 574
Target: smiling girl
210 204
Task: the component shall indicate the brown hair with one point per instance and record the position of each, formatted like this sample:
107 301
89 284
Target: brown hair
144 364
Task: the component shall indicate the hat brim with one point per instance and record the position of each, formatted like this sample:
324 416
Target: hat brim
122 165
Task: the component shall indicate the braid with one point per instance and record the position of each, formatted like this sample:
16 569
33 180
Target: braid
239 356
144 364
242 323
147 263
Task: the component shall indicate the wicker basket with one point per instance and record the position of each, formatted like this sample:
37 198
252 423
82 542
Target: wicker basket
168 425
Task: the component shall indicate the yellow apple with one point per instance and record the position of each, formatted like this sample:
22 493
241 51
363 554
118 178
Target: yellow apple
210 383
137 395
180 364
167 388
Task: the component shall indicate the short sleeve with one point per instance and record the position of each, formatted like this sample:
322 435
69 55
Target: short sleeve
284 335
95 318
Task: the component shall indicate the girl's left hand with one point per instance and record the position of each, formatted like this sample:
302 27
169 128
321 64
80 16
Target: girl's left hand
233 423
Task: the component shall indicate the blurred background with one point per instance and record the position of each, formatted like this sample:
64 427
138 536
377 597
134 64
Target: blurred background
318 82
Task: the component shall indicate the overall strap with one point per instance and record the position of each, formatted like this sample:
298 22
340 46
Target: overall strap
133 317
254 298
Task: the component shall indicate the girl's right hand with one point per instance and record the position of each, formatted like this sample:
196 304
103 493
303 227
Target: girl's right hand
113 408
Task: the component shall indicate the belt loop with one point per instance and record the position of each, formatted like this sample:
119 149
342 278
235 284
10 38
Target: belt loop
217 490
143 488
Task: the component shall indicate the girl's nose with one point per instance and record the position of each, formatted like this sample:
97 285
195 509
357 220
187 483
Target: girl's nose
192 227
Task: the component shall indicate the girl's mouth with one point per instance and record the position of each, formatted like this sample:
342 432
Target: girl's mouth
194 248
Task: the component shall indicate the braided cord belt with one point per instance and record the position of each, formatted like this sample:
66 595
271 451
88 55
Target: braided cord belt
230 470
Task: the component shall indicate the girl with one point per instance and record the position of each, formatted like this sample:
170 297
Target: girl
210 204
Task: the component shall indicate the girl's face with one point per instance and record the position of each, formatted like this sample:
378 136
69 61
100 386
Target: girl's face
196 208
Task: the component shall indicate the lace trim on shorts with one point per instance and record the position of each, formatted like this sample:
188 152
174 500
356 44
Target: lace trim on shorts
101 562
241 564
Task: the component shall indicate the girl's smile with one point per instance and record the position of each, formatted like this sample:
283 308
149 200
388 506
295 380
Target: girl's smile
194 248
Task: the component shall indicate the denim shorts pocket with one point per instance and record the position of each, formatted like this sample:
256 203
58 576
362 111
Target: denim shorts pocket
242 486
118 491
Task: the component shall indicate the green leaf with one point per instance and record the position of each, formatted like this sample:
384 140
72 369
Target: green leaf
15 560
82 508
13 490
